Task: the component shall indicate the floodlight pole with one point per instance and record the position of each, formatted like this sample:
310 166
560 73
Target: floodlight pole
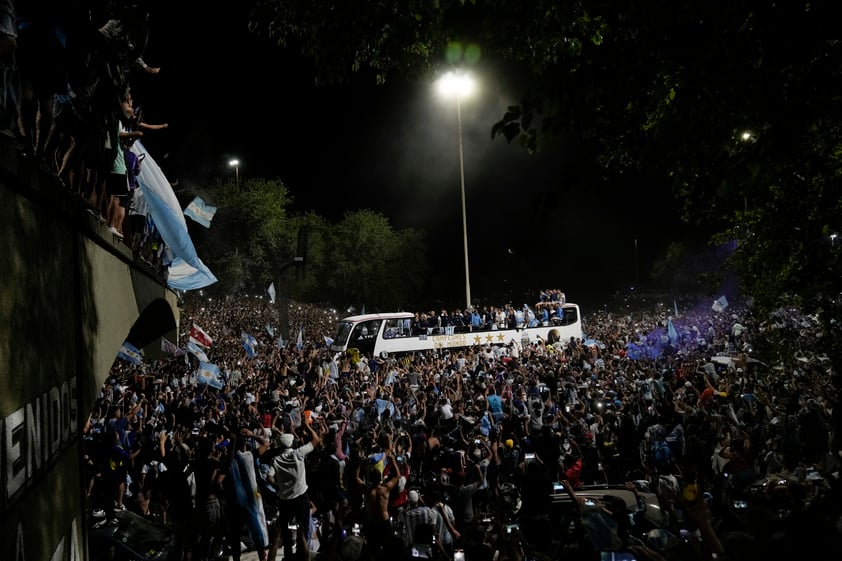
464 211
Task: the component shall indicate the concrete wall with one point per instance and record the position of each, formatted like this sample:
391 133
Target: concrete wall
69 297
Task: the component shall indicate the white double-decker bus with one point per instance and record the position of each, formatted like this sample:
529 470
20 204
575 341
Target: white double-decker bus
397 332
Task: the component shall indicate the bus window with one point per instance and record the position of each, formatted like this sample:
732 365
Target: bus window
365 331
570 316
395 328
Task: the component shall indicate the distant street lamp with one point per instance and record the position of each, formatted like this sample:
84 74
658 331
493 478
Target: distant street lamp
235 163
459 86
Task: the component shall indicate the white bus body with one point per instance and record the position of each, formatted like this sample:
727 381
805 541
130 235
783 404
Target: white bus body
395 333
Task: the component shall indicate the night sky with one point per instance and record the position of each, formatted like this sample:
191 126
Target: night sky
393 149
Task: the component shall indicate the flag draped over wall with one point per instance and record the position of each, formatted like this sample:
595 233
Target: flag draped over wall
169 219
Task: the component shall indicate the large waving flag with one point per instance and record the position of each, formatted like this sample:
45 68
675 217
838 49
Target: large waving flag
200 211
197 351
130 353
169 219
183 276
209 375
169 347
720 304
198 336
271 291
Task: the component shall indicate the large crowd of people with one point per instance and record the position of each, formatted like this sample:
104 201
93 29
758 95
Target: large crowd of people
485 453
462 453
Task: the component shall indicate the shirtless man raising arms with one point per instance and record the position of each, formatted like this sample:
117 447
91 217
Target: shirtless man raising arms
378 527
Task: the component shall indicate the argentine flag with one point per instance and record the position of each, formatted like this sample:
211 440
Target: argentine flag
249 343
197 351
209 375
200 212
130 353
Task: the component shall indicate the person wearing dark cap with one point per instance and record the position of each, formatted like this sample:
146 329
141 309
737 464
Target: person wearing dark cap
289 476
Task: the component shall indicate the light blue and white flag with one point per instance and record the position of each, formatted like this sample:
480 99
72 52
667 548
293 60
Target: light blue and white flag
720 304
328 341
270 330
169 219
281 343
299 343
209 375
130 353
672 334
249 343
271 291
197 351
200 211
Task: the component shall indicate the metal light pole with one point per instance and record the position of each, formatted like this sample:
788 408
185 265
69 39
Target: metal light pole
236 165
459 86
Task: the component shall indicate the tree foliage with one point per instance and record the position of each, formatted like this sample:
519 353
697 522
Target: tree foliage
254 240
250 232
374 265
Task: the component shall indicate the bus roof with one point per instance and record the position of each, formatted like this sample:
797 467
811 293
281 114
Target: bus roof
389 315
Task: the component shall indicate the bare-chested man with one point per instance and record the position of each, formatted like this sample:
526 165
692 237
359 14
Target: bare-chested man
378 527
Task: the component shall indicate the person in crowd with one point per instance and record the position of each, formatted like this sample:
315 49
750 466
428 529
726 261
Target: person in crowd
289 476
378 489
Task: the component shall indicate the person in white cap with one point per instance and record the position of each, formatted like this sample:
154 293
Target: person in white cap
289 477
